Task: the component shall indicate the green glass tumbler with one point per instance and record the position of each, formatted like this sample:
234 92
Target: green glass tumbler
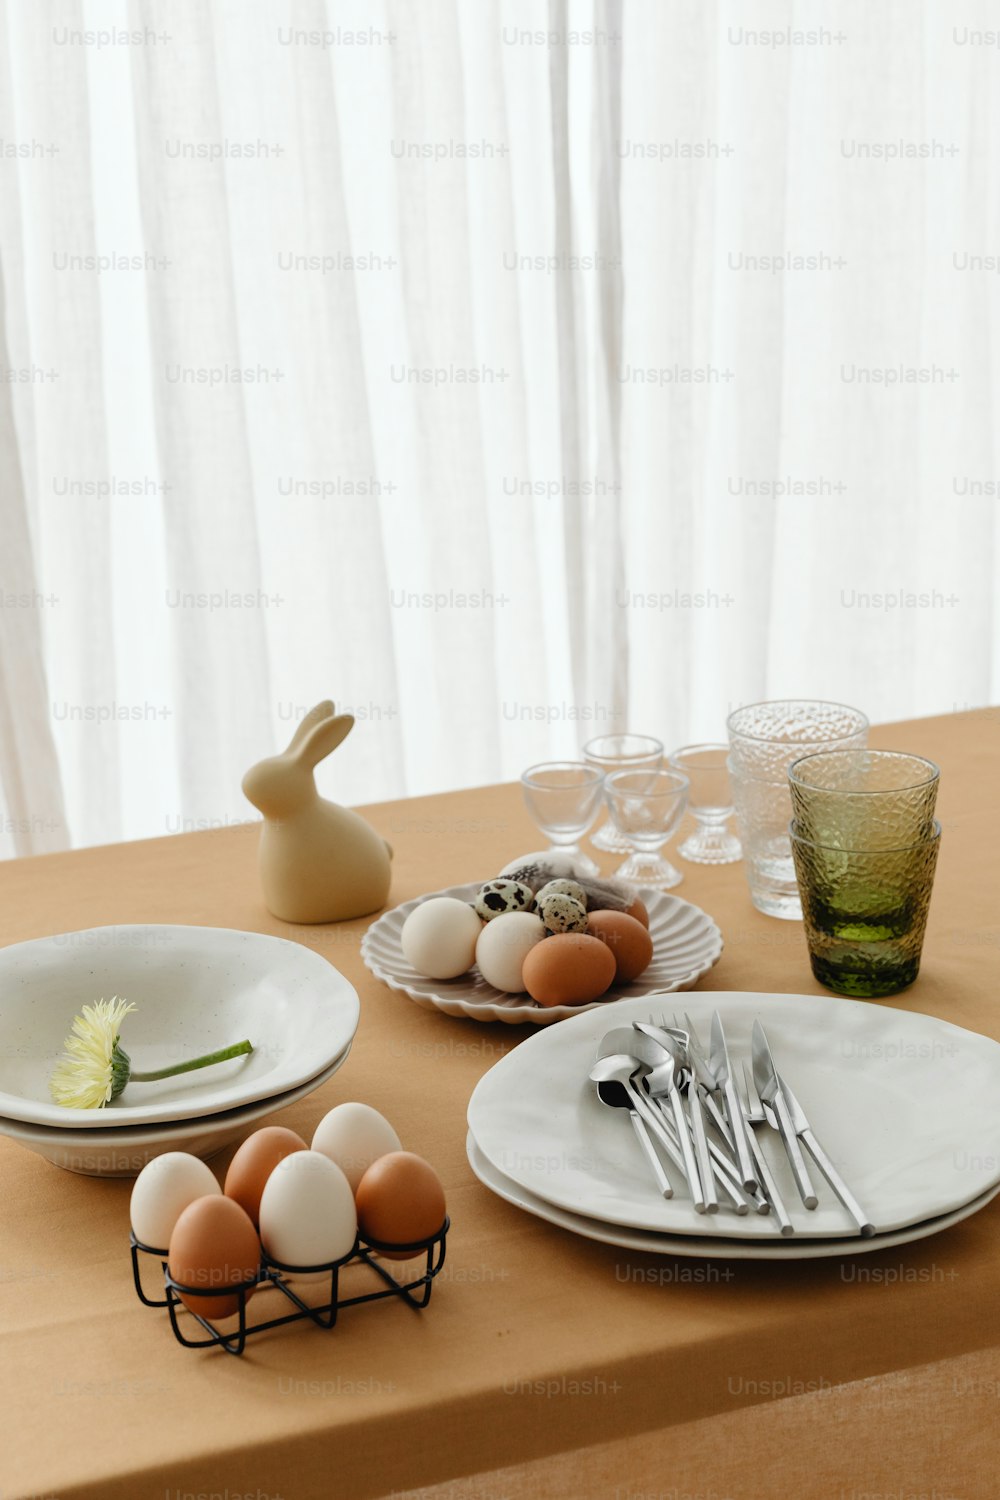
864 799
865 911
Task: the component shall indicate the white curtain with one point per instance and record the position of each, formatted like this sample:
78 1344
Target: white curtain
439 358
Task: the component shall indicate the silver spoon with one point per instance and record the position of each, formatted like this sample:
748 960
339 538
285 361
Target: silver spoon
660 1081
660 1062
616 1096
723 1169
619 1068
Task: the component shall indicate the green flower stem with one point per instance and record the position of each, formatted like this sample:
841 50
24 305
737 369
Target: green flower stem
238 1049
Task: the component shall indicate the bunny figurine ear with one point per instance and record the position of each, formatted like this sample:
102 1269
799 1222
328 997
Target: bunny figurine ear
323 737
324 710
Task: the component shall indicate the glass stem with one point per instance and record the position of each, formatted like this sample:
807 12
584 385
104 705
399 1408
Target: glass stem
238 1049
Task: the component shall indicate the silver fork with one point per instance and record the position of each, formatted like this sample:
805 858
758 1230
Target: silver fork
720 1171
753 1110
704 1083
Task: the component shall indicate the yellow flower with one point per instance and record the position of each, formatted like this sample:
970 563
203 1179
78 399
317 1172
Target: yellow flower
85 1077
95 1068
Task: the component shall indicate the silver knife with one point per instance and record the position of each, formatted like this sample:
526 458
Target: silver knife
719 1063
704 1083
803 1130
768 1085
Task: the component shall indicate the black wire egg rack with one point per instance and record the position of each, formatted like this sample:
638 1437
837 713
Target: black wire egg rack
277 1275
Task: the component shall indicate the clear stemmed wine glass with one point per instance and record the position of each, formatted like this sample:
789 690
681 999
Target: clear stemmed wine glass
620 752
647 807
711 802
562 797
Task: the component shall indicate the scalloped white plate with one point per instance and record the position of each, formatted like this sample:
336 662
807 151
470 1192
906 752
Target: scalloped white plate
686 943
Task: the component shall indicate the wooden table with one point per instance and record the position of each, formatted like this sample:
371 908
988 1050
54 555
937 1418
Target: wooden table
546 1364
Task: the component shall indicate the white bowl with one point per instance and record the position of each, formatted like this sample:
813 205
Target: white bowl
124 1153
196 989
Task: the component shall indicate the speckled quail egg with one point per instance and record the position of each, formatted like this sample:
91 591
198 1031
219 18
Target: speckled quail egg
560 913
499 896
571 888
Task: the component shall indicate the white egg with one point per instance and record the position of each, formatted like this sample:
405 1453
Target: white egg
163 1190
439 937
307 1212
503 946
354 1135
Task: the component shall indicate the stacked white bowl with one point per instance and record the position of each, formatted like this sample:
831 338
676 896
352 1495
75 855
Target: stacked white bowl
195 989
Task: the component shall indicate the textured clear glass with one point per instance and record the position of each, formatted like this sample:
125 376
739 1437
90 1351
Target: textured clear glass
711 803
647 806
763 813
764 738
563 797
864 799
620 752
865 912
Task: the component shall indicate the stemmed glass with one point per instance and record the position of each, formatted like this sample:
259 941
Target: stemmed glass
620 752
647 807
711 802
562 797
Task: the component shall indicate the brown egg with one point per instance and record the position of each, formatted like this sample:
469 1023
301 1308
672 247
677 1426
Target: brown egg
400 1200
213 1245
571 968
253 1164
628 940
638 910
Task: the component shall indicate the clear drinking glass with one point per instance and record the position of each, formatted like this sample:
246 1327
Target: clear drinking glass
764 740
620 752
711 802
763 813
865 912
563 797
647 807
864 799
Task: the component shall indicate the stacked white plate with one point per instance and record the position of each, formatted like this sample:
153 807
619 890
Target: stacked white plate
196 989
907 1106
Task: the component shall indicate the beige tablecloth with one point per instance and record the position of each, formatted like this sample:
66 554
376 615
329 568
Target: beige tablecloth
536 1344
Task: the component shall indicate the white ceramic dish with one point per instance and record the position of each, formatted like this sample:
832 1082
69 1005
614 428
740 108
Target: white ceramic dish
906 1105
196 989
124 1153
689 1244
686 943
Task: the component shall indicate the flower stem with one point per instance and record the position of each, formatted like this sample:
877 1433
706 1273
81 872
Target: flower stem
238 1049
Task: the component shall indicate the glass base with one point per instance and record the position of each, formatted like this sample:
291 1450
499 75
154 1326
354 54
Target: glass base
711 846
856 975
774 889
777 901
645 869
609 839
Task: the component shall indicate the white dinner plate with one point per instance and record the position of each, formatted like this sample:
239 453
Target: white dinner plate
196 989
691 1245
686 943
124 1153
907 1106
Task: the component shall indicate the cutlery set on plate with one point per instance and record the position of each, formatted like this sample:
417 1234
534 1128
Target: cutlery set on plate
590 1124
686 1103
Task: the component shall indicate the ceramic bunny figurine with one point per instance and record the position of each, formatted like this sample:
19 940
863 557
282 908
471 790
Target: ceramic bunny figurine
318 862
